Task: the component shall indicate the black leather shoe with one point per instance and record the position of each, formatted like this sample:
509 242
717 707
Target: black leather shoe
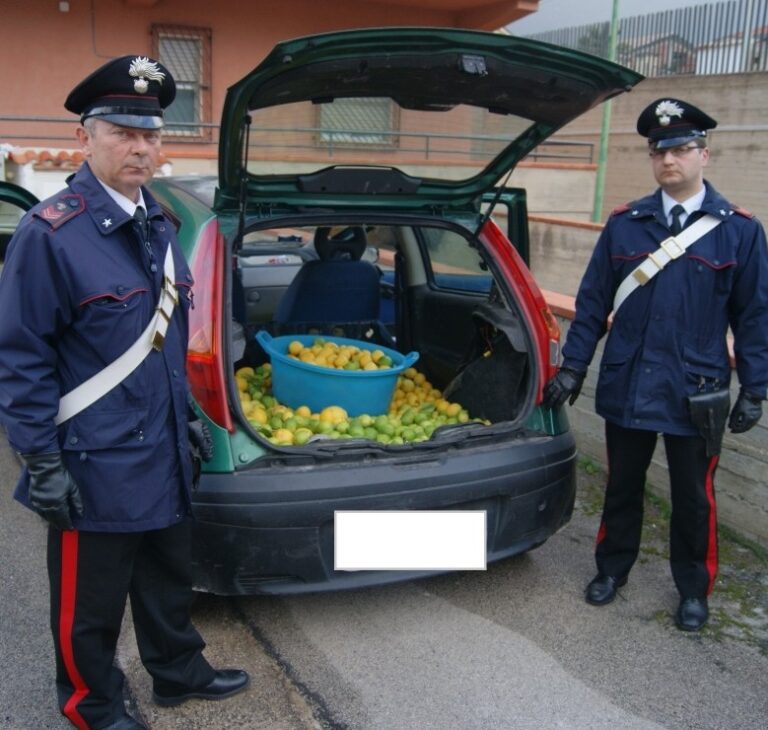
226 682
692 614
125 723
602 589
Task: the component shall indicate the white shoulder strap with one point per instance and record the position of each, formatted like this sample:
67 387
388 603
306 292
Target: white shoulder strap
151 338
669 249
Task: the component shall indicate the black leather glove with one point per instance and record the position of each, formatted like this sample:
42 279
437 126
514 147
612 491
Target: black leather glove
746 412
567 383
52 490
200 439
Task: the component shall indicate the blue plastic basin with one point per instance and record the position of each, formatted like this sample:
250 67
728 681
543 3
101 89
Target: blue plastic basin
296 383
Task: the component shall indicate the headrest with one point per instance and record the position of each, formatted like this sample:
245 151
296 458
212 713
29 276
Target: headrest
347 245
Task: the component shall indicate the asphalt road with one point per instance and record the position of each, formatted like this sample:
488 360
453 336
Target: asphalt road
514 647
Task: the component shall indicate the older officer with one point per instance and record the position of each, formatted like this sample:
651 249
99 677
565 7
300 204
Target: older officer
82 278
665 368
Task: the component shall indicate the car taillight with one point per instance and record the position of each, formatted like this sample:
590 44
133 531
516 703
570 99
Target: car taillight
205 364
531 302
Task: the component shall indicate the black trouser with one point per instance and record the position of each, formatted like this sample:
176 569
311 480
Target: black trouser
693 527
91 573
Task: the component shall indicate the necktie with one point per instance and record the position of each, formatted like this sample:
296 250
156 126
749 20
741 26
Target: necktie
676 212
140 216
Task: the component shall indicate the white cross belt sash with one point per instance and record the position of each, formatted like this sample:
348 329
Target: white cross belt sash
152 338
669 250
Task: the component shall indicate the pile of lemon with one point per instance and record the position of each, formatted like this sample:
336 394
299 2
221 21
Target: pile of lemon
415 411
329 354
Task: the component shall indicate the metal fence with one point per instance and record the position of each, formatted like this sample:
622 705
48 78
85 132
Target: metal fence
320 143
716 38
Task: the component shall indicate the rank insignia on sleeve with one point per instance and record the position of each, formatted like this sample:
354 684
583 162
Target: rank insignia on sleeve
61 210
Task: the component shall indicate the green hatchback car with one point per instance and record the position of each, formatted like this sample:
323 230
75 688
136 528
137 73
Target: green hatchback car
361 197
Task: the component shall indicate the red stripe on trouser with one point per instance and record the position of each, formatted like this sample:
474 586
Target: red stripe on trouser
711 559
602 529
69 545
600 533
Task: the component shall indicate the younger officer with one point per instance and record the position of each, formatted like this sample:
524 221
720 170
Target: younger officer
82 278
666 352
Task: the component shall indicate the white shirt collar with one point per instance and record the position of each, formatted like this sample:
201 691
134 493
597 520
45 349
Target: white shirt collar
691 204
125 203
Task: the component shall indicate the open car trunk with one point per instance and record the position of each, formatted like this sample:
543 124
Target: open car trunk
407 285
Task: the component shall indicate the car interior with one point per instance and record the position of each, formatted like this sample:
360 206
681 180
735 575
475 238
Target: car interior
409 287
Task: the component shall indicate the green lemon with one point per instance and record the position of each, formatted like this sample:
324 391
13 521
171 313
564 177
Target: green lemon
301 436
356 431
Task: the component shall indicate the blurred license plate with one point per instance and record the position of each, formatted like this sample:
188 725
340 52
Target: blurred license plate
409 540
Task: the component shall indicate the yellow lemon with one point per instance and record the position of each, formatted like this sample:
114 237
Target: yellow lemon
283 436
244 371
295 347
453 409
333 414
259 415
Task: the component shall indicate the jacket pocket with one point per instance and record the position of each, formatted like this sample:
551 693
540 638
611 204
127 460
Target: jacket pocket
711 273
113 320
704 372
102 430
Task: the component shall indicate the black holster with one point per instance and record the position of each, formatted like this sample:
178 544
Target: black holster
709 413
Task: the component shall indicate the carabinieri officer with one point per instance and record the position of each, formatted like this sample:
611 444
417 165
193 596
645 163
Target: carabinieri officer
677 268
83 276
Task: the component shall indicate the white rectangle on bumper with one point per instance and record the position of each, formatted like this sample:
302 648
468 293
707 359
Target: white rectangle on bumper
409 540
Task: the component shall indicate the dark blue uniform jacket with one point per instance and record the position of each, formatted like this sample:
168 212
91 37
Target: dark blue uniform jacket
668 339
77 290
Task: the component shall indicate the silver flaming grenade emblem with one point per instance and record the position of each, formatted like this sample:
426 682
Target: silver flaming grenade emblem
665 110
144 71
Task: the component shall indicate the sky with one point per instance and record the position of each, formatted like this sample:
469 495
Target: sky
555 14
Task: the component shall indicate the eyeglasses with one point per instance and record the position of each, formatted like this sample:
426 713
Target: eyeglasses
681 151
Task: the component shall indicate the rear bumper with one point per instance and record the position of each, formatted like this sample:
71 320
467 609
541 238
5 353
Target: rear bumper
271 530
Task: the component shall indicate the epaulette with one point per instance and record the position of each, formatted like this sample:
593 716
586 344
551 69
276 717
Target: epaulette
623 208
742 211
61 209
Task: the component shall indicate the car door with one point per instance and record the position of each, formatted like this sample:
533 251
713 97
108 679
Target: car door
15 201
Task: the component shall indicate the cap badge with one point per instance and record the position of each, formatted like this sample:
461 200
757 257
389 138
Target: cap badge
144 71
666 110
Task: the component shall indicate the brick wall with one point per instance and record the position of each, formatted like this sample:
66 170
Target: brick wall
738 166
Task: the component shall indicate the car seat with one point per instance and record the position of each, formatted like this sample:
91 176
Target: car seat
336 288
